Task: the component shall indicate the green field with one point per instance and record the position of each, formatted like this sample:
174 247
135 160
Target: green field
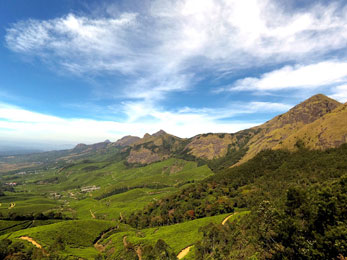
95 196
177 236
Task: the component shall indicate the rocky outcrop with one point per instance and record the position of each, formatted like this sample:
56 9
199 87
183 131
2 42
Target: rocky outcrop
127 141
143 156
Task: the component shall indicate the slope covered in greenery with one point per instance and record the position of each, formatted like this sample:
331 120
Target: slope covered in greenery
306 189
160 196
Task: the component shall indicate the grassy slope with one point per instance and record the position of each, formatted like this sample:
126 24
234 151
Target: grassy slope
26 203
276 130
177 236
34 195
326 132
78 235
170 175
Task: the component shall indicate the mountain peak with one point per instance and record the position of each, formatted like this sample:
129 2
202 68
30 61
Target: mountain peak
306 112
127 140
79 147
321 98
159 133
313 108
147 135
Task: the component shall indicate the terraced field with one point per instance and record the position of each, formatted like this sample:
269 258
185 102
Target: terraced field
78 209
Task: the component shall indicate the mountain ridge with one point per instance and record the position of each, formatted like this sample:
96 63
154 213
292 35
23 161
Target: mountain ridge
315 117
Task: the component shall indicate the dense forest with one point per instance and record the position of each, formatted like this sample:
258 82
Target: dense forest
297 202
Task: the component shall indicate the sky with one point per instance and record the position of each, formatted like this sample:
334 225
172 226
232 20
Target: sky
74 71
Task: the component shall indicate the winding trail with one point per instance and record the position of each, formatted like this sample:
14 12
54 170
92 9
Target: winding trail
31 241
12 205
99 246
92 214
184 252
139 252
227 218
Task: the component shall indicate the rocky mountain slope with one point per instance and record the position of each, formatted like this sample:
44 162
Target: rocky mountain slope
328 131
320 122
273 133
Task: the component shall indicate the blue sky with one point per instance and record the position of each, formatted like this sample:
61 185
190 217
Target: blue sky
85 71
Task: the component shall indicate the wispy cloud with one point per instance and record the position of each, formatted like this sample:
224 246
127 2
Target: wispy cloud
295 77
160 47
80 44
340 93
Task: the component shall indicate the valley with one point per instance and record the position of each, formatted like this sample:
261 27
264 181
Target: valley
242 195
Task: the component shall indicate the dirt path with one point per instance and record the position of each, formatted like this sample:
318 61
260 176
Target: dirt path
31 241
125 242
227 218
139 252
91 213
184 252
99 246
12 205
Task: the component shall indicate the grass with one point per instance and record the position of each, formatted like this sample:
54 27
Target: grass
26 203
75 233
60 191
177 236
124 203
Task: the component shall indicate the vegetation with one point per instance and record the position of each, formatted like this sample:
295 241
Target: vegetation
160 197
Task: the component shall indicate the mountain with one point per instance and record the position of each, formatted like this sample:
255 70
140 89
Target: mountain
228 149
326 132
126 141
224 149
318 122
153 148
274 132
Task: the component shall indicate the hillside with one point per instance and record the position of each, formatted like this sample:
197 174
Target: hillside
273 133
165 197
310 184
226 149
327 131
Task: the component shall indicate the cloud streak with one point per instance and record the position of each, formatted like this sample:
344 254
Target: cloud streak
340 93
295 77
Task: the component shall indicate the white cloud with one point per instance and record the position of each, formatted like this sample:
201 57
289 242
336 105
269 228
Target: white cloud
296 77
81 44
160 46
19 125
340 93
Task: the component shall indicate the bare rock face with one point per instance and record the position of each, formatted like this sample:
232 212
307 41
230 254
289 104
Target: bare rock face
210 146
153 148
80 147
274 132
326 132
159 133
127 141
143 156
